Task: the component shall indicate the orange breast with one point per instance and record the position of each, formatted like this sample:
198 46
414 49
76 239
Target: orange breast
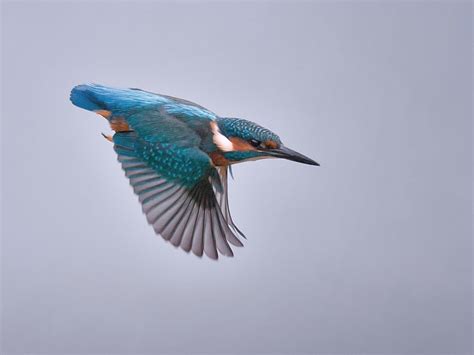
240 144
218 159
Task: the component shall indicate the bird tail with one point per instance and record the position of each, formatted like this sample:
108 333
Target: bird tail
90 97
111 103
102 99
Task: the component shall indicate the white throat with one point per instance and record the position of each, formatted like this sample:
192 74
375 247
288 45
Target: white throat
221 141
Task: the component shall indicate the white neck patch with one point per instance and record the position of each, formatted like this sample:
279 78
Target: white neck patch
222 142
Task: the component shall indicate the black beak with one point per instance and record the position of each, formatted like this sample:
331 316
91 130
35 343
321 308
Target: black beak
287 153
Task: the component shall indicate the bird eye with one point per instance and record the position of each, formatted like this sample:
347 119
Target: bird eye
255 143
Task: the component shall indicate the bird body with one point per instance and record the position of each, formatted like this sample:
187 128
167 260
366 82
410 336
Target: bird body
176 155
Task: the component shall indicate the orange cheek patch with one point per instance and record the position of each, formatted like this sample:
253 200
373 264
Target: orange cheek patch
240 144
119 125
271 144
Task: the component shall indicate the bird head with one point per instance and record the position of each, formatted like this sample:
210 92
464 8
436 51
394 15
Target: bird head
242 140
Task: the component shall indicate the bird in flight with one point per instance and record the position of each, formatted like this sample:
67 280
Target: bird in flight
177 155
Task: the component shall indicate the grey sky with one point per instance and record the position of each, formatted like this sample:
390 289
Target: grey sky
369 253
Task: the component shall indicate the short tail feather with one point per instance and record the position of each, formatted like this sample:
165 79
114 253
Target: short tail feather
95 97
86 97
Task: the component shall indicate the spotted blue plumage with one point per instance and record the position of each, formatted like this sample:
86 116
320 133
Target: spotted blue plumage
176 157
246 130
185 165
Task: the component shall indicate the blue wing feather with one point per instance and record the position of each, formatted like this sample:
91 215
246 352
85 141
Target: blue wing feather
186 165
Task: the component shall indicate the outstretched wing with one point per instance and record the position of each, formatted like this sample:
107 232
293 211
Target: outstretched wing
181 206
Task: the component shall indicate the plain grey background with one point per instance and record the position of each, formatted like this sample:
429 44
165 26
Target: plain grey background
370 253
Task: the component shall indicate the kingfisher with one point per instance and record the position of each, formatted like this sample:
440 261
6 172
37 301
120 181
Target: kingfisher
177 156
